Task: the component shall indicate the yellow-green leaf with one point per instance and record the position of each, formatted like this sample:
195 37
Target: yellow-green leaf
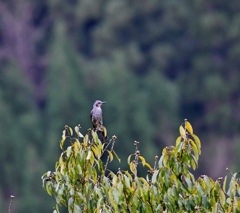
193 163
48 189
178 141
86 140
132 167
60 159
119 160
95 150
128 175
143 181
104 131
142 159
129 159
110 155
76 145
61 143
182 132
165 161
197 141
164 152
209 182
188 127
71 131
148 165
224 184
195 149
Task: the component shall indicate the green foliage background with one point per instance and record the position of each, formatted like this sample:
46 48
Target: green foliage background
154 62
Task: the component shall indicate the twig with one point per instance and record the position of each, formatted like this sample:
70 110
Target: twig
137 153
108 158
156 161
10 204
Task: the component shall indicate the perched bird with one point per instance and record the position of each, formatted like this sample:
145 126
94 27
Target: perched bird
97 118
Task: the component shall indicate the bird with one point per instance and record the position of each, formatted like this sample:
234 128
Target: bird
97 117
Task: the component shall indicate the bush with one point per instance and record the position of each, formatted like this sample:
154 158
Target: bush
82 181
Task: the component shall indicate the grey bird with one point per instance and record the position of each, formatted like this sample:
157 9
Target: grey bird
96 116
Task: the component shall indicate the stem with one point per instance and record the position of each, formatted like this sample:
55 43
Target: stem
10 204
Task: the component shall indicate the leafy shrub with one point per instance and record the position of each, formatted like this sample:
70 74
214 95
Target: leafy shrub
82 182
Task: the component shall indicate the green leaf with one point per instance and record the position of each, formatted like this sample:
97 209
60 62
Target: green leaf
189 183
165 161
77 209
119 160
154 176
193 163
224 184
209 182
70 203
95 136
178 142
69 149
195 149
100 166
160 162
89 155
64 134
48 188
222 196
129 159
77 130
215 208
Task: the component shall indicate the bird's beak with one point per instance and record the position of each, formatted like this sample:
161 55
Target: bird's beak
104 102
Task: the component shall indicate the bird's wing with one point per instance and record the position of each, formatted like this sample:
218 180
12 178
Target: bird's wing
91 115
91 118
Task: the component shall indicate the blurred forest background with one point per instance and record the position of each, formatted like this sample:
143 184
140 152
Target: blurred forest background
154 62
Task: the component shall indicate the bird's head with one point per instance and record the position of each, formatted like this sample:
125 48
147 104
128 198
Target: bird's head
98 103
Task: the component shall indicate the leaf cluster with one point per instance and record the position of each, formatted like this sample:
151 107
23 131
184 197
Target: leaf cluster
83 183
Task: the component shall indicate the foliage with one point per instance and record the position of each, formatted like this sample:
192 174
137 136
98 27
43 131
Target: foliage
82 182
